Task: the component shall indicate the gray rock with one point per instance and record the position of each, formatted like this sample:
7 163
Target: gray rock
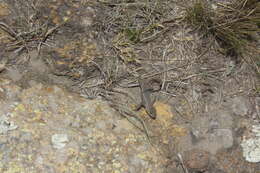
58 128
210 133
240 106
251 146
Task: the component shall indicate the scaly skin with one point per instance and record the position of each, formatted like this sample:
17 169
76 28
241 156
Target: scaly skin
146 99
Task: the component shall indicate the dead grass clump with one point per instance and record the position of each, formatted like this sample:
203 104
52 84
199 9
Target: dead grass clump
234 25
200 16
26 27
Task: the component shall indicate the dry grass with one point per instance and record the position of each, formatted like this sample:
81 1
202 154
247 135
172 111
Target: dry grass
234 25
130 23
29 28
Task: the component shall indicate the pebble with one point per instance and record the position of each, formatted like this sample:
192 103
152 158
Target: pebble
59 140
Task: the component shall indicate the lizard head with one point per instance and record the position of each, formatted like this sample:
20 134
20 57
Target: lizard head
152 113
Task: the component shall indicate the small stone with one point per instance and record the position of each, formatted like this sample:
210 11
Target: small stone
251 146
196 160
6 125
59 140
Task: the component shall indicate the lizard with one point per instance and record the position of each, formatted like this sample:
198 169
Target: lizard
146 101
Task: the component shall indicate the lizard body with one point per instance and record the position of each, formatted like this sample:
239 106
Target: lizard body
146 101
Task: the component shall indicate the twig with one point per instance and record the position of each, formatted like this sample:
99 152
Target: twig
99 68
182 163
154 36
166 67
158 73
8 29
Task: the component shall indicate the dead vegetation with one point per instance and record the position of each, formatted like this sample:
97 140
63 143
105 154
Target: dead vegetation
29 28
234 25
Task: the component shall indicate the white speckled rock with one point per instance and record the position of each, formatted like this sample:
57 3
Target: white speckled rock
251 146
59 140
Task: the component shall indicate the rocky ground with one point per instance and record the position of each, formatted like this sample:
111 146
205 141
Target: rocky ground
68 91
